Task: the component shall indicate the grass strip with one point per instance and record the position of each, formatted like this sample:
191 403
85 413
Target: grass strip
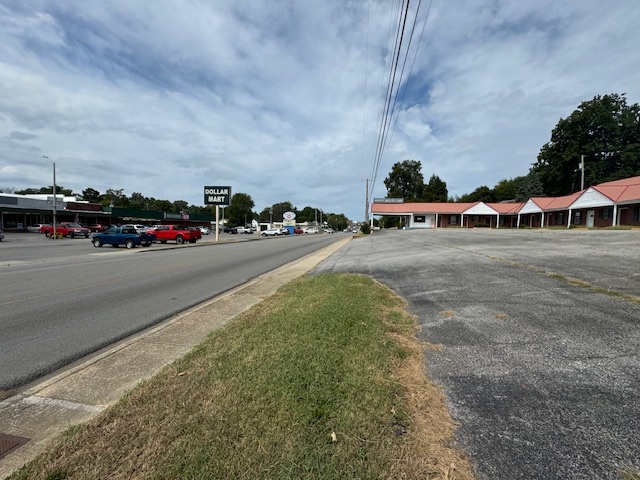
323 380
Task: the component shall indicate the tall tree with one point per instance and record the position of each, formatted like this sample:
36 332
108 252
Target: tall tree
507 189
480 194
606 131
91 195
240 211
531 186
435 190
405 181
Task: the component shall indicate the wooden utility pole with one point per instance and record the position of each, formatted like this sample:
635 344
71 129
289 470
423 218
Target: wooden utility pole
366 206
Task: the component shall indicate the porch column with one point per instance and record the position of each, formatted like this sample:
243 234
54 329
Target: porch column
497 221
542 220
518 222
569 219
615 215
436 225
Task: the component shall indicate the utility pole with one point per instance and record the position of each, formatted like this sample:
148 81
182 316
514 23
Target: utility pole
582 168
366 205
55 231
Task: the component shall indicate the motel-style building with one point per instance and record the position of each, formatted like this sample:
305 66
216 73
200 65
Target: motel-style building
605 205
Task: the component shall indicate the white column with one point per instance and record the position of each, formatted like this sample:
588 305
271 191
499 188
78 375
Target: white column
569 219
615 215
518 222
542 220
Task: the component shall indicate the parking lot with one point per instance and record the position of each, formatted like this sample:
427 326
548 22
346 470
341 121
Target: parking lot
538 334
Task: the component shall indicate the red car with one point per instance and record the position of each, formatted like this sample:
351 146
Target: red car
97 227
298 231
66 229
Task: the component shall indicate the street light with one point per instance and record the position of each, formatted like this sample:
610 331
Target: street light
55 232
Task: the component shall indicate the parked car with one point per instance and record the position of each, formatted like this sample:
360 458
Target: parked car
244 230
230 230
284 231
271 232
196 233
97 227
36 228
174 233
298 231
329 230
137 228
311 230
66 229
205 230
125 235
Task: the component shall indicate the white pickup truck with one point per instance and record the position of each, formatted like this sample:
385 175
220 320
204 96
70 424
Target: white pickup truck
244 230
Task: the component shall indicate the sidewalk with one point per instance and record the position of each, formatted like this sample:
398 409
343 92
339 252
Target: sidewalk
45 410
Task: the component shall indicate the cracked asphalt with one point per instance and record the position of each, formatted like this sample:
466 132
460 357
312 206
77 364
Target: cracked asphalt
540 332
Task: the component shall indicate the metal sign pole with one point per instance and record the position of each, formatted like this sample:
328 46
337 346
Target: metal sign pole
217 222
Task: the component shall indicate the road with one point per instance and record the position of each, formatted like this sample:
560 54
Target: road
63 299
539 360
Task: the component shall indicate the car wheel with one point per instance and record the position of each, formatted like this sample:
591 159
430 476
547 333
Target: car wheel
146 244
47 234
97 242
71 234
129 243
179 240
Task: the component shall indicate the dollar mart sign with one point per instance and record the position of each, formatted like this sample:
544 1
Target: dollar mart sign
217 195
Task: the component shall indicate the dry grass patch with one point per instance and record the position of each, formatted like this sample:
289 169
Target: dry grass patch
323 380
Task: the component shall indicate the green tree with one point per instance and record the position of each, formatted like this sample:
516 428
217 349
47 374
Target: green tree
480 194
91 195
337 222
606 131
530 186
435 190
115 197
180 206
240 211
60 190
405 181
507 189
280 208
307 214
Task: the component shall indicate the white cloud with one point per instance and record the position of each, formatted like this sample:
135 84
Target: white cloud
282 100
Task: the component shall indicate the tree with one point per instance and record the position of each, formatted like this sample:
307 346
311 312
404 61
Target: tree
337 222
240 211
507 189
180 206
606 131
279 209
60 190
307 214
480 194
116 198
530 186
91 195
405 181
435 190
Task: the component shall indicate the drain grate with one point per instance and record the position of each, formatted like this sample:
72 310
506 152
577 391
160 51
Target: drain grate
8 443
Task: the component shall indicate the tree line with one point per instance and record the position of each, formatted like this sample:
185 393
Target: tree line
604 131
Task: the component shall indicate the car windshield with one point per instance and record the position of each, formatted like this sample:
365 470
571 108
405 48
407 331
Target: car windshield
74 225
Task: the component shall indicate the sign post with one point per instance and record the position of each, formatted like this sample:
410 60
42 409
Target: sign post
217 196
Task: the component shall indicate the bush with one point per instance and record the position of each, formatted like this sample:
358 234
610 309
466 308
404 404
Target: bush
365 228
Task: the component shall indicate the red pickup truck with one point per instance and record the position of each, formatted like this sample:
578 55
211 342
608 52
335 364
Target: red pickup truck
66 229
174 233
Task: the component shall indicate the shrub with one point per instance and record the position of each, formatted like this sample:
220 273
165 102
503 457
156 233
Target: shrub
365 228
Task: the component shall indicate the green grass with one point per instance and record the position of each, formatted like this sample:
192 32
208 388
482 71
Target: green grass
304 385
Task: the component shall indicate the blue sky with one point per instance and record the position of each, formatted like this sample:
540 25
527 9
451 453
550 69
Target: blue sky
282 100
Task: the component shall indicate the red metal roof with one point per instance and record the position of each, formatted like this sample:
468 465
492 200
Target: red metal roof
624 190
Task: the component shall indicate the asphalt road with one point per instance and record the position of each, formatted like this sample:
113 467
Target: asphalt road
542 373
63 299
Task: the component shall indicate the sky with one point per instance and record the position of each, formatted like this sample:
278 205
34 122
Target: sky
284 100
